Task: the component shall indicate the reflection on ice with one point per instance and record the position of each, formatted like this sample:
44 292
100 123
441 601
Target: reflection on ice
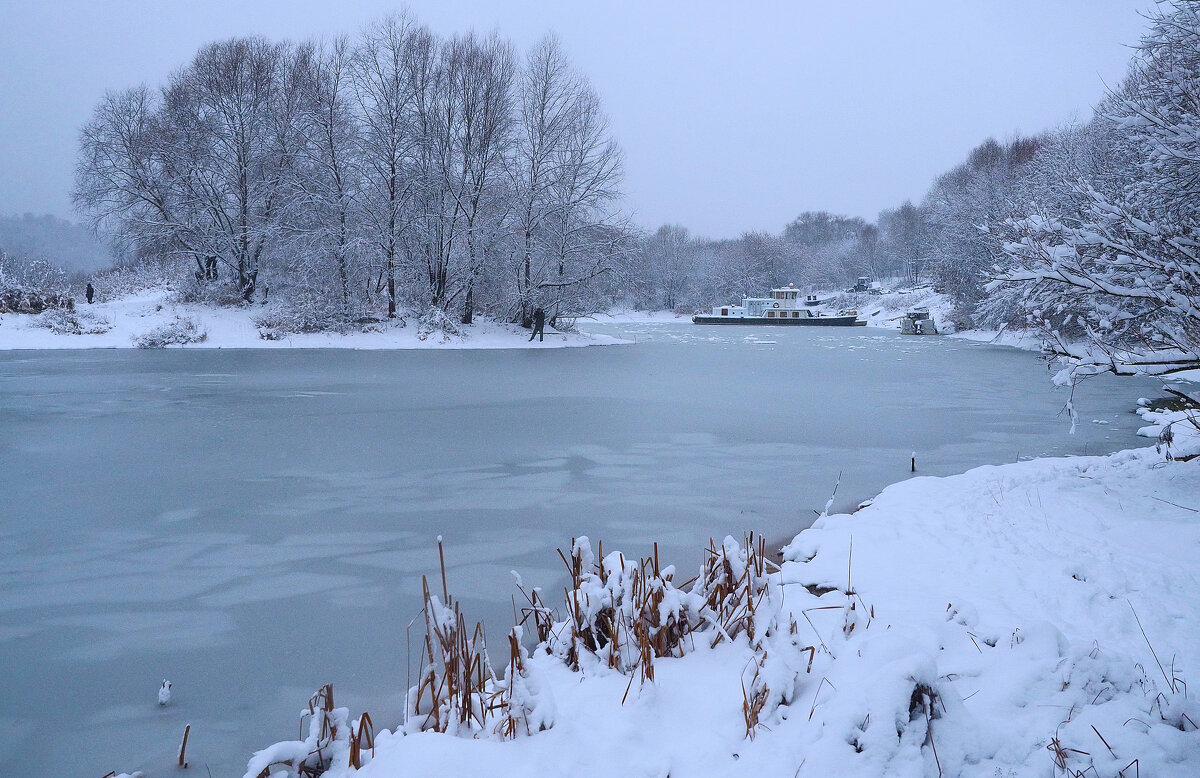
123 632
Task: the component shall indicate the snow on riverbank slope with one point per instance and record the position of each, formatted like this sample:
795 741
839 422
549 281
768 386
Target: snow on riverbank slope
1016 620
129 319
885 311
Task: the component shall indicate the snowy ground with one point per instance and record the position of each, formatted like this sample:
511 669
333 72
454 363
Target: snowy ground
885 311
1031 619
129 319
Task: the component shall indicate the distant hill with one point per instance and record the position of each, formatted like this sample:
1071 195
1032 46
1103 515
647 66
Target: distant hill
62 243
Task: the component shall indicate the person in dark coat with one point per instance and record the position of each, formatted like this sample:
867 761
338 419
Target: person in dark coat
539 323
90 292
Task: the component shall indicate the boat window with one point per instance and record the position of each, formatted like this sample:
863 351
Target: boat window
770 314
795 314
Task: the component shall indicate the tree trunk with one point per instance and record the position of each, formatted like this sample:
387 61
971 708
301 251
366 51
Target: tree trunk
391 288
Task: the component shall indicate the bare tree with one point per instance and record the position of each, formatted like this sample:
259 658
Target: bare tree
480 75
122 181
588 176
545 112
389 68
234 140
670 255
329 178
199 172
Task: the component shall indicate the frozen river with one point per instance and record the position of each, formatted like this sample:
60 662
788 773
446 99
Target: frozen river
253 524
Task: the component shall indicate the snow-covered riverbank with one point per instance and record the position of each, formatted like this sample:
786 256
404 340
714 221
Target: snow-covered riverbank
127 321
1030 619
155 315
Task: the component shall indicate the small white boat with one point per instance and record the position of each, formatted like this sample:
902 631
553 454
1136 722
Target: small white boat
782 308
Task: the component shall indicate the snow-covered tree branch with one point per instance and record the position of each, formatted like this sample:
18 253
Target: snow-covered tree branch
1115 280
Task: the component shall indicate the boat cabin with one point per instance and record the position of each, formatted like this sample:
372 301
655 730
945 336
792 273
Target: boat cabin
783 303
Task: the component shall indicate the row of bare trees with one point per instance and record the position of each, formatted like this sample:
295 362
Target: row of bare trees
393 169
676 270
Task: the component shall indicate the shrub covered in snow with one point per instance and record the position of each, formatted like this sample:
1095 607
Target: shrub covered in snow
457 691
523 703
74 321
221 293
329 736
179 331
134 278
300 312
623 612
1175 426
435 322
31 287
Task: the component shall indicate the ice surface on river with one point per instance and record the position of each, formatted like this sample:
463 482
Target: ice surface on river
217 517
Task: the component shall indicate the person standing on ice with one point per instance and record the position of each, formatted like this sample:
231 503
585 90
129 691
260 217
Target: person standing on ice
539 324
90 292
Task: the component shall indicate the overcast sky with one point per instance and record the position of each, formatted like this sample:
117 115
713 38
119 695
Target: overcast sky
732 116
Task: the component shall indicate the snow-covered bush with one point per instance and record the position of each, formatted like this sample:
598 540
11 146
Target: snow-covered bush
223 293
772 680
436 322
522 704
1175 426
457 690
134 278
328 738
179 331
456 675
732 586
74 321
622 612
301 312
31 287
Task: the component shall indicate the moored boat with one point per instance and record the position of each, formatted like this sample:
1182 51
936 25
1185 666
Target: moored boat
782 308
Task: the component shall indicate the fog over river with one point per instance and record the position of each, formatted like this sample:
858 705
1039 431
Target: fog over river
254 524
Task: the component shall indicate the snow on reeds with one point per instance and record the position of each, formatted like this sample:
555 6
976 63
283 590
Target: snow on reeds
925 635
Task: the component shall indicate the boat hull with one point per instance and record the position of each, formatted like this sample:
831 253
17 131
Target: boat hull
813 321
